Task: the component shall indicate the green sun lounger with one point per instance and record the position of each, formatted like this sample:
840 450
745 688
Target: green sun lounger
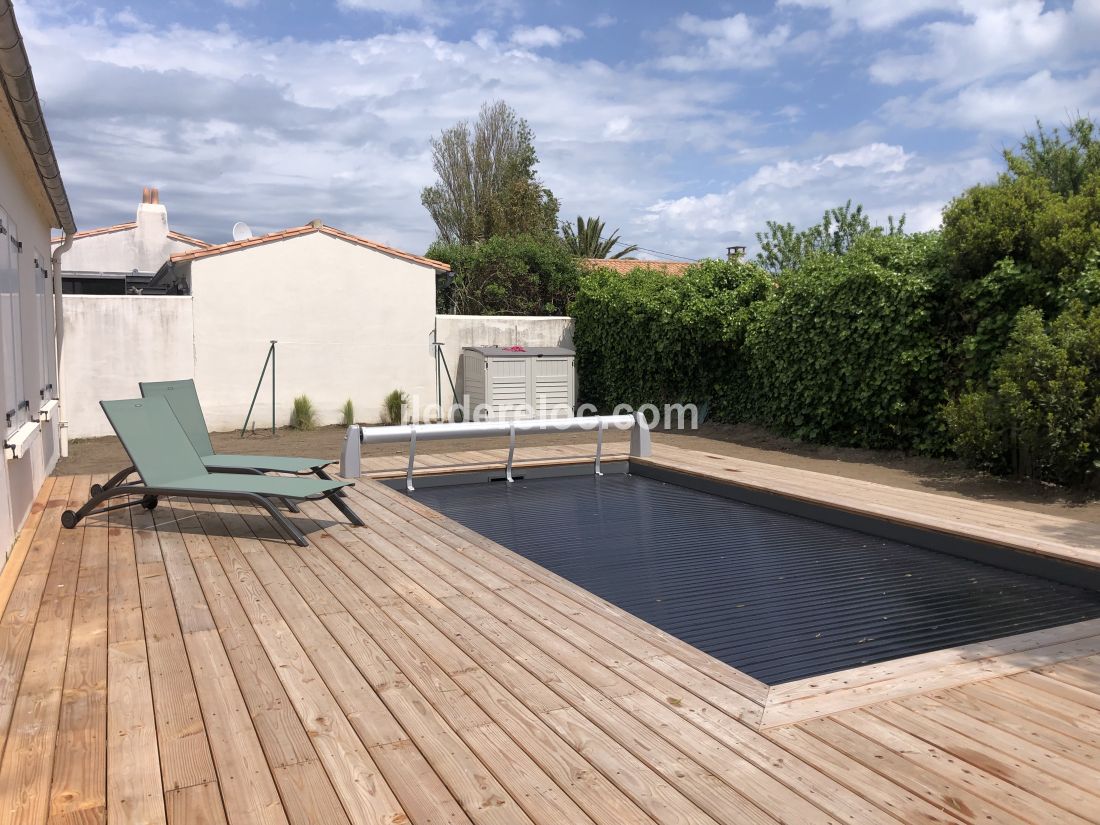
169 465
183 398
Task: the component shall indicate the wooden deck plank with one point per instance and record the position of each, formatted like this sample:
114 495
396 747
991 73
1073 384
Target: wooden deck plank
135 792
247 785
970 773
475 687
415 717
29 750
79 782
185 758
195 805
23 603
1040 772
13 564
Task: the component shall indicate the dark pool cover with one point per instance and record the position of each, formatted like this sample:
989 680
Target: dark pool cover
777 596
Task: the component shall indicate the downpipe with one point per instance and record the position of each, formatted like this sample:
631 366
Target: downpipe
59 341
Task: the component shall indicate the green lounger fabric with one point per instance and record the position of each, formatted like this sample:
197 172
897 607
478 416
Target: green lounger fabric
184 400
165 457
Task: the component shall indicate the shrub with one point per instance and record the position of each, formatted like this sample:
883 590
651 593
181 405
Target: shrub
513 275
1040 415
648 337
846 350
393 406
303 416
347 413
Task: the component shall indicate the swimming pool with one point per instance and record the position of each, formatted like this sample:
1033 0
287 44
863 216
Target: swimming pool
777 595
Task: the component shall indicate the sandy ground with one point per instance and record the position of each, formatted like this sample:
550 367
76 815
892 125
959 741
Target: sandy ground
105 455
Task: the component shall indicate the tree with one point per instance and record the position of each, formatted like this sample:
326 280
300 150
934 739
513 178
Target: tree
1063 163
587 240
508 275
487 184
783 247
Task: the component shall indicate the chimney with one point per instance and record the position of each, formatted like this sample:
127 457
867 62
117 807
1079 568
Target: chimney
151 235
316 223
735 253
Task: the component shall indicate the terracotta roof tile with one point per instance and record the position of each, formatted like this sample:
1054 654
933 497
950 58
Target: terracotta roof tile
625 265
103 230
124 227
298 231
179 236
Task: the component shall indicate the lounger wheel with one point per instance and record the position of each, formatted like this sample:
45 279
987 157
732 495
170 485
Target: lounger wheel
68 519
96 489
150 502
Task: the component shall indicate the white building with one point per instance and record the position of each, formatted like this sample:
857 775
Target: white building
32 200
352 319
121 259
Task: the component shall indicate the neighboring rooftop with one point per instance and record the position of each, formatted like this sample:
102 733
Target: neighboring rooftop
125 227
299 231
626 265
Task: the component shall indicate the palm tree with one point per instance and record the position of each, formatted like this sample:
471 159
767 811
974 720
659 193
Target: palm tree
587 241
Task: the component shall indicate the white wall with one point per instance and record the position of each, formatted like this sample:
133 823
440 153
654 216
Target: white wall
458 331
144 247
351 322
20 199
114 341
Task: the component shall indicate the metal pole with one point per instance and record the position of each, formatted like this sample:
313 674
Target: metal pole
438 377
273 343
256 394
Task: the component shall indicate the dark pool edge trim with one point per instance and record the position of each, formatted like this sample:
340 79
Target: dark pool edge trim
1005 556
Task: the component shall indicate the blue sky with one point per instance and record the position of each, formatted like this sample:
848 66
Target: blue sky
689 126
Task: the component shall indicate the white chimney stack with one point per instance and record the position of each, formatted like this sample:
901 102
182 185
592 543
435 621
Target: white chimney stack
151 236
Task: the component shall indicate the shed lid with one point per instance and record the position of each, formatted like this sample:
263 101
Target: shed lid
522 352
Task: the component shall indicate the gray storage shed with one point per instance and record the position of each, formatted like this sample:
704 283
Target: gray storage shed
519 382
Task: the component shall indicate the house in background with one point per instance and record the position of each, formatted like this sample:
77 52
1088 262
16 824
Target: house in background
122 259
626 265
32 200
352 318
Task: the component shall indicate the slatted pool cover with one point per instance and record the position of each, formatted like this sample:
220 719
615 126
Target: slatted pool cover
777 596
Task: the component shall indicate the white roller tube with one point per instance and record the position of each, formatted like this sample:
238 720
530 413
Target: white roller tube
356 435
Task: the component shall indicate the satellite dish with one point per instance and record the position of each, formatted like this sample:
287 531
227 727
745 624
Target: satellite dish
241 231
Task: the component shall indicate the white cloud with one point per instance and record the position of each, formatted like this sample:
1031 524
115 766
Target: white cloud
996 37
1007 107
544 37
885 178
874 14
603 21
398 8
729 43
276 132
241 4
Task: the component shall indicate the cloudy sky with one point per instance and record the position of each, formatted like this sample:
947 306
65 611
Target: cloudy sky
687 125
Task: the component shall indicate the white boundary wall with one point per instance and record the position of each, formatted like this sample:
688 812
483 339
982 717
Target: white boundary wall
112 342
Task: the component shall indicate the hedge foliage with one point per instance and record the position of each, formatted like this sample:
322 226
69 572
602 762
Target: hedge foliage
846 350
982 339
1040 414
508 275
650 338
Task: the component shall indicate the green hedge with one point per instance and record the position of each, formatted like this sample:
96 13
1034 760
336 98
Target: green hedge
847 351
648 337
1040 414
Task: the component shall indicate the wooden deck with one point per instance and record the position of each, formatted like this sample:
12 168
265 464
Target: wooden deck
189 666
